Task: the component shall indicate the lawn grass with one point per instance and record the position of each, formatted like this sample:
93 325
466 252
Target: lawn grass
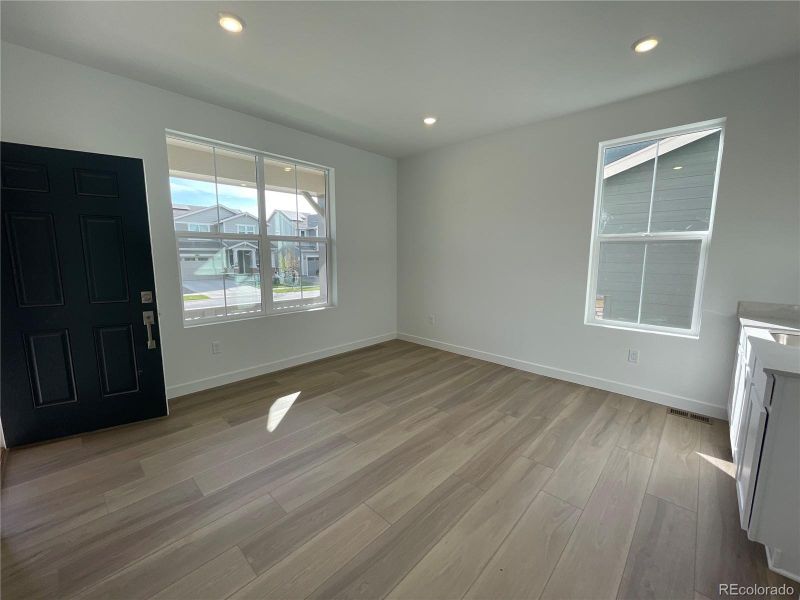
189 297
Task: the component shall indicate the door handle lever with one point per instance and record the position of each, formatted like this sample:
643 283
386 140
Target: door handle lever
148 316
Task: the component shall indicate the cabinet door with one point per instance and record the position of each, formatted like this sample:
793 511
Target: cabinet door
739 402
737 399
747 467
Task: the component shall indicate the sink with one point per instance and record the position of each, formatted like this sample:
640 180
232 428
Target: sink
786 339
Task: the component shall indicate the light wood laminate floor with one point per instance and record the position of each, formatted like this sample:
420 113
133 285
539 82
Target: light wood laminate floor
395 471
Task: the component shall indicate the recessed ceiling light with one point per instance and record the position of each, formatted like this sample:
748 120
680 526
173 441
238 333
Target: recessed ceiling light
287 169
645 44
230 22
429 120
678 168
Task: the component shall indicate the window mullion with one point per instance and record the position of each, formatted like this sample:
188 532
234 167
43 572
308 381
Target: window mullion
206 235
641 286
661 236
652 190
264 249
222 248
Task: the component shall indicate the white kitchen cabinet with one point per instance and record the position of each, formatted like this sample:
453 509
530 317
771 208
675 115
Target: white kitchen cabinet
764 417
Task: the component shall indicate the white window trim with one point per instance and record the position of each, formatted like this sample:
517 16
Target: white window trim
268 306
703 236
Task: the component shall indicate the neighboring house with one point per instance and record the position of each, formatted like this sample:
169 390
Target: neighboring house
241 257
284 258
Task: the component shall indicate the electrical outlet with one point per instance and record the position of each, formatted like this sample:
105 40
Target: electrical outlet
633 356
432 319
216 347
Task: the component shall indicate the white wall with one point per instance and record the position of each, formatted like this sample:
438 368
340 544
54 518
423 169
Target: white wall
47 101
494 239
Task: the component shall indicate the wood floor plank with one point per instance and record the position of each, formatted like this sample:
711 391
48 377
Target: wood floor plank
592 564
643 429
676 466
522 565
42 455
73 504
448 570
577 474
219 476
385 561
214 472
270 545
401 495
305 569
97 561
477 383
359 388
490 462
234 441
53 551
430 381
621 402
530 398
661 558
315 481
218 578
378 419
159 570
100 466
578 410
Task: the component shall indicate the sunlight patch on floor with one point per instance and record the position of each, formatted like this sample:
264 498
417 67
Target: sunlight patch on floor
279 409
725 466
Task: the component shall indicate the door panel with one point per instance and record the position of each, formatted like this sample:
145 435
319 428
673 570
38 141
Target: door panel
34 259
116 357
50 367
104 253
75 257
25 177
96 183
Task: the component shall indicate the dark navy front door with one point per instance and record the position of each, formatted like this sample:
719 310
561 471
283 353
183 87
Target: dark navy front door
77 277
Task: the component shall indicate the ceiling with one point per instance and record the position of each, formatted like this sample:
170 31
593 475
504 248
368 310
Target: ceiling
366 73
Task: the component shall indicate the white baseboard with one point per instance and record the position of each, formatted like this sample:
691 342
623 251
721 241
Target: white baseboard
198 385
671 400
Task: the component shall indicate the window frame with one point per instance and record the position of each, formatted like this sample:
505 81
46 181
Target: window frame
704 236
263 238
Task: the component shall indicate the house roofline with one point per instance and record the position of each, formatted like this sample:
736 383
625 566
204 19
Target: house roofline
648 153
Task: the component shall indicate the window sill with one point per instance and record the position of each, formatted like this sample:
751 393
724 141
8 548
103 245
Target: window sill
688 335
249 317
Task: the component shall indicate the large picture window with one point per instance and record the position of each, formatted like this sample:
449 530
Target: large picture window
252 231
653 217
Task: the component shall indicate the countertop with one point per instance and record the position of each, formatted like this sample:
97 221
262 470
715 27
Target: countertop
767 314
775 357
758 319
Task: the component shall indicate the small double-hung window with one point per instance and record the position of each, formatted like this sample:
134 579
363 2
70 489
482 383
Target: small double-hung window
653 216
252 231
